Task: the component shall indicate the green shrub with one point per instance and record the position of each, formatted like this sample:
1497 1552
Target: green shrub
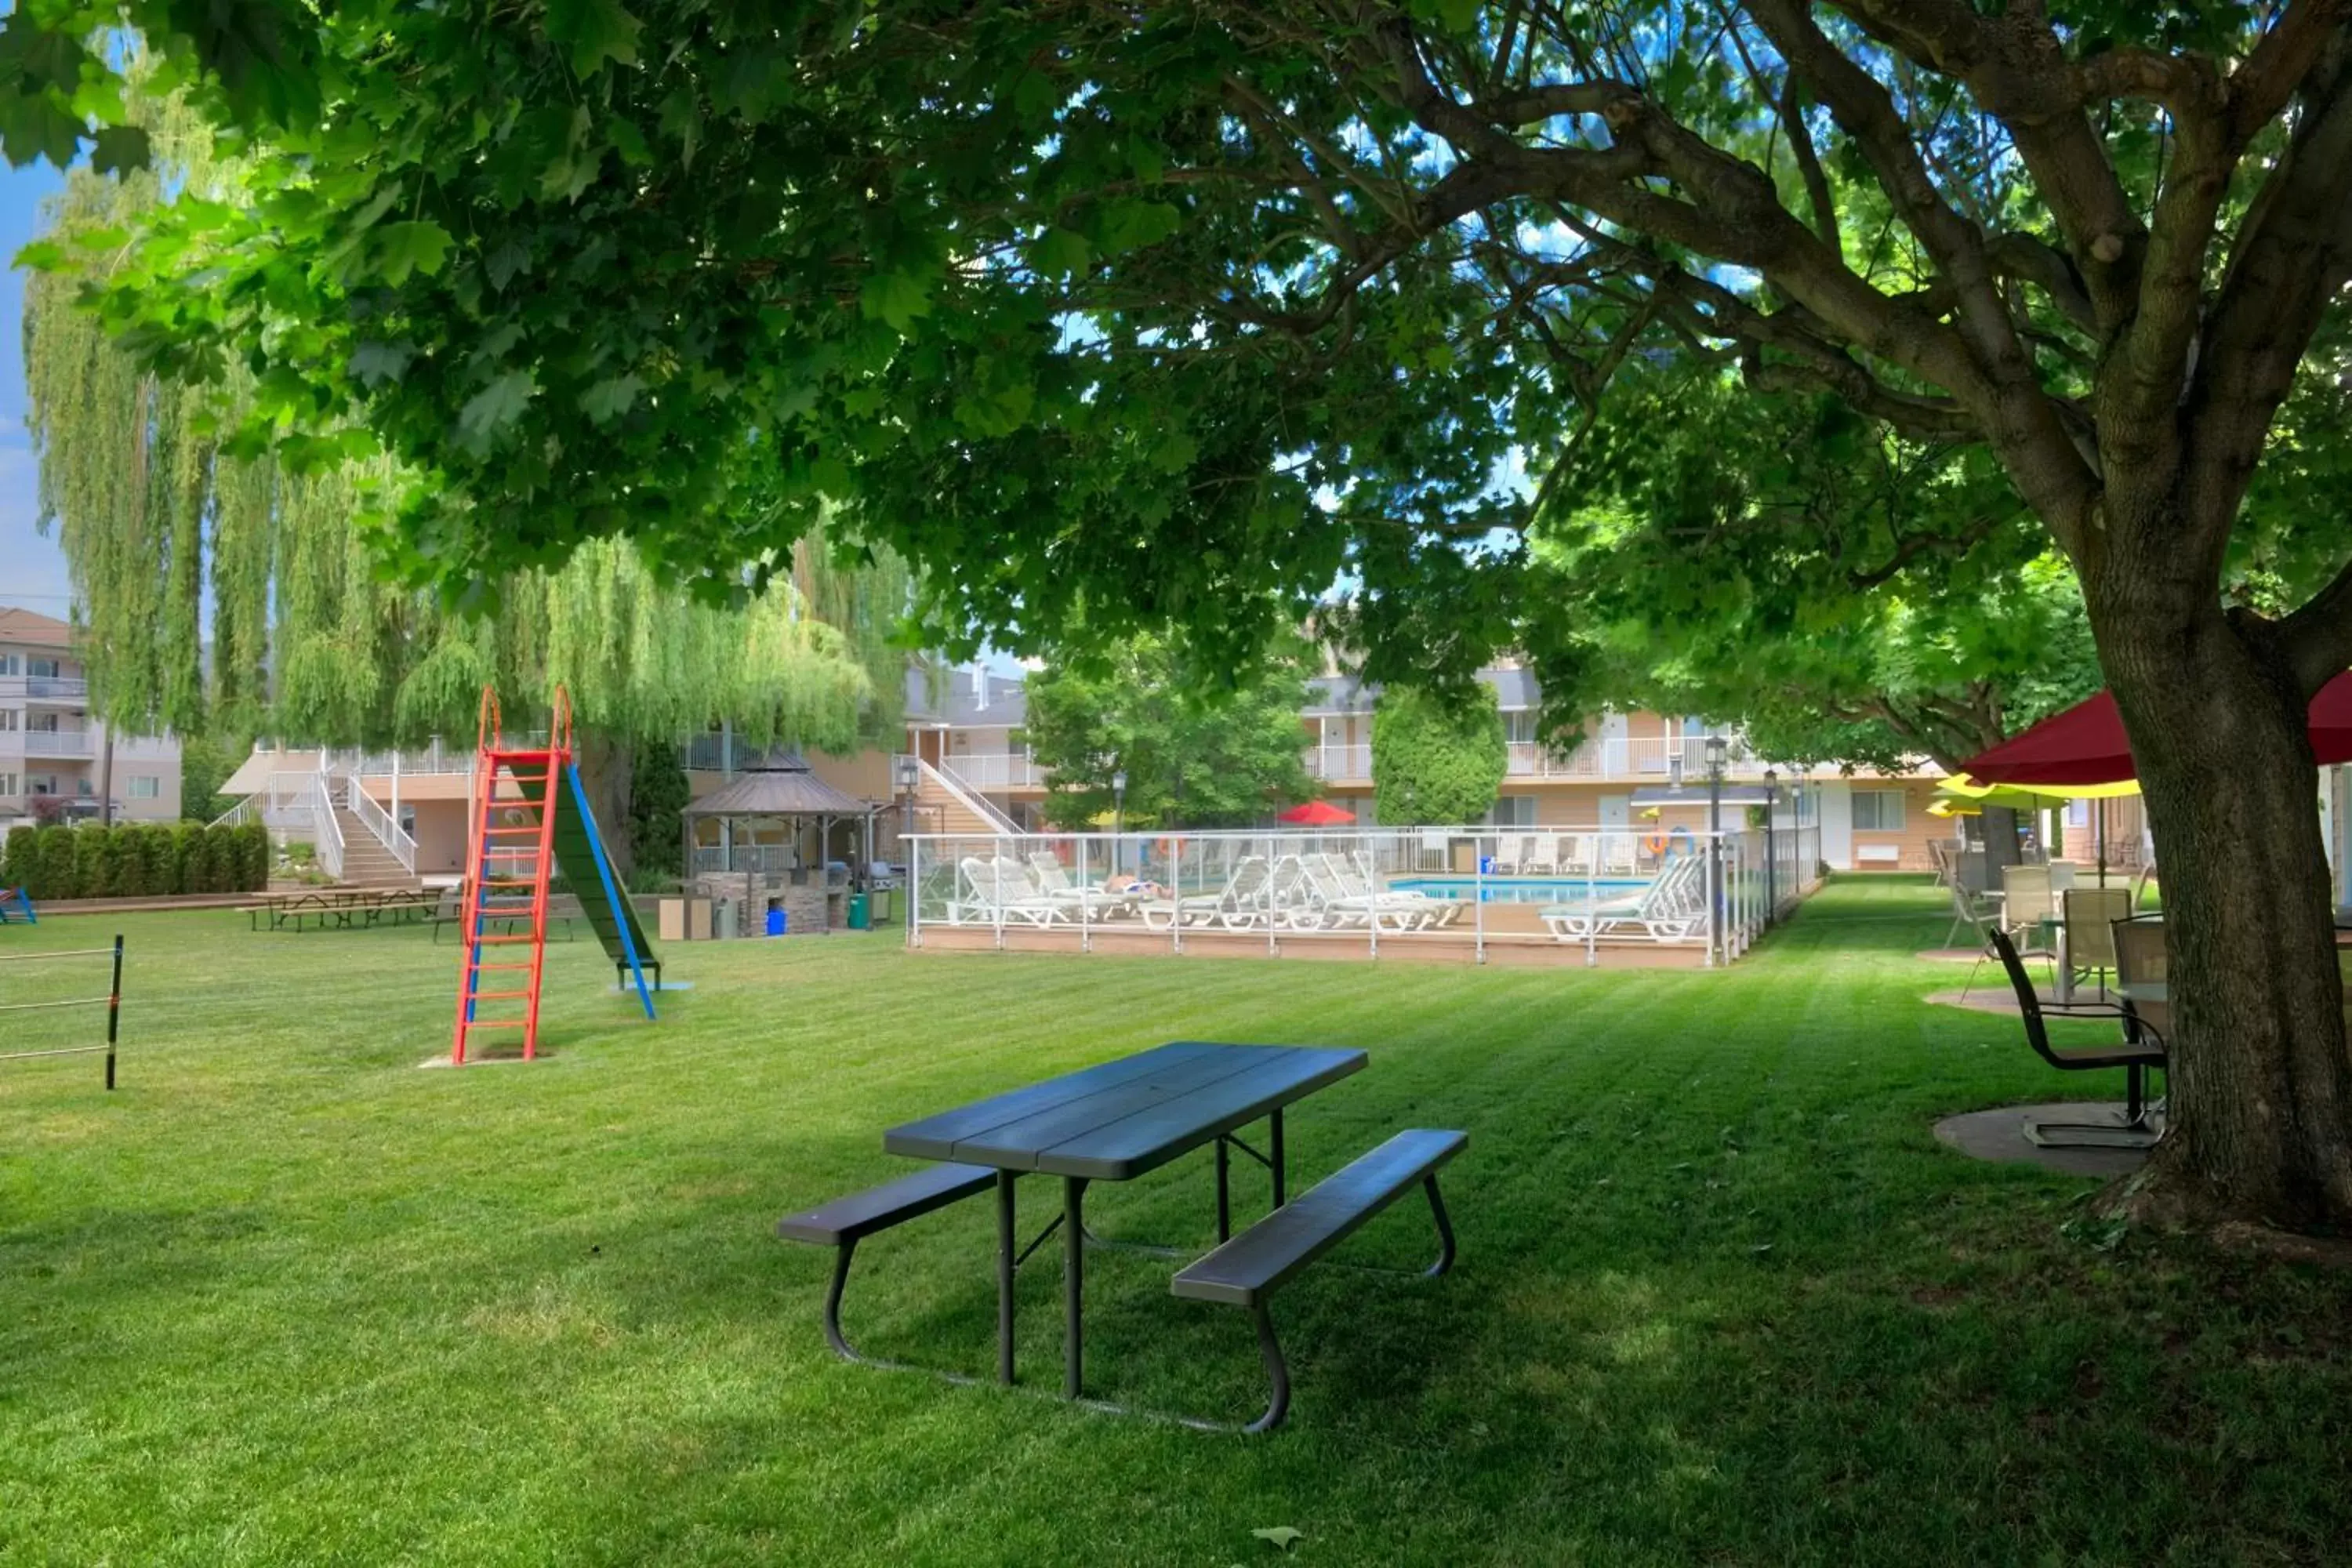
96 874
54 875
253 858
152 843
17 857
187 868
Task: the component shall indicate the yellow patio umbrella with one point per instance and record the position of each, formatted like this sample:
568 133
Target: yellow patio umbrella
1960 796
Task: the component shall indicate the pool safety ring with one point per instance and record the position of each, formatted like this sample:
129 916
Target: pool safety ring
1656 844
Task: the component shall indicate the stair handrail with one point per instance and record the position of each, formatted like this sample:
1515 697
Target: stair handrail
327 838
978 805
381 823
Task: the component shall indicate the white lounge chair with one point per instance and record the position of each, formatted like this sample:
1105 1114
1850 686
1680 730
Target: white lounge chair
1054 883
995 891
1336 897
1238 905
1671 908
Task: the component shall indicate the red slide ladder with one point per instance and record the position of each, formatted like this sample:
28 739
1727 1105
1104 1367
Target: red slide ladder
512 854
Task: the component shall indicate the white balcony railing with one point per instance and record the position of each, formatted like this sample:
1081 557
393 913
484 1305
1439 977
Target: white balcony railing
996 771
58 742
1636 759
435 758
44 688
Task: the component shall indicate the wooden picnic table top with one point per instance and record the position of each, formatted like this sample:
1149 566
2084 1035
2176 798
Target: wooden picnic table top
1119 1119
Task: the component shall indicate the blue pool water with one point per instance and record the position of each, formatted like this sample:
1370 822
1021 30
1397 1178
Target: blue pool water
1520 889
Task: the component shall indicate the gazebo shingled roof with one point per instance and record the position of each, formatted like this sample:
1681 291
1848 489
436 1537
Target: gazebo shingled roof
786 788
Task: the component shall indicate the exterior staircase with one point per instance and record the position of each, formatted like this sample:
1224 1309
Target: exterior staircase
367 862
956 809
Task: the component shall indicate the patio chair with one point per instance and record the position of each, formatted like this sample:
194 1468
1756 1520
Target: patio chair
1362 878
1434 849
1543 855
1617 851
2025 902
1968 912
2091 917
2140 959
1505 860
2136 1056
1578 859
2139 884
2061 874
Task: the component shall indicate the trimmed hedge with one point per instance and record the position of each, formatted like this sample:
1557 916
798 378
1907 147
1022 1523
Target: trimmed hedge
135 861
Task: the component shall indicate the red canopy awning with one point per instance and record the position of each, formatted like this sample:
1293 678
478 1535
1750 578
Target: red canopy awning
2086 745
1317 814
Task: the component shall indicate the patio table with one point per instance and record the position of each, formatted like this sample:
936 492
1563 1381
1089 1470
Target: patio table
1113 1123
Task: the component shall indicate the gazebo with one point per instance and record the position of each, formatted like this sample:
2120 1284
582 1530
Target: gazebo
779 791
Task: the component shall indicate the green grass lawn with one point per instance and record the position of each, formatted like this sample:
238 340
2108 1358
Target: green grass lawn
1722 1298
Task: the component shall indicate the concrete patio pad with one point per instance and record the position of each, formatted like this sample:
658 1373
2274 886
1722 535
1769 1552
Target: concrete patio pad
1999 1135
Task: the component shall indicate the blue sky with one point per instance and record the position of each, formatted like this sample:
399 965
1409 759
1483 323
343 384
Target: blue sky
32 569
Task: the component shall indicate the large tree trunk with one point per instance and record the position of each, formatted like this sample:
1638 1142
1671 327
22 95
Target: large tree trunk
607 771
2260 1084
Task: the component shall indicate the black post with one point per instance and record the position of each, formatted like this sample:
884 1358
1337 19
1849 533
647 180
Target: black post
1074 1284
1224 1194
1281 1184
1004 1263
113 1011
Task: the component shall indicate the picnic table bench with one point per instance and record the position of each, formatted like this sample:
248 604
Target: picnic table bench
563 906
1118 1120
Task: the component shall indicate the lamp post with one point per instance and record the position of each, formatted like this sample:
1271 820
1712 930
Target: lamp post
1117 814
1717 749
1771 883
906 773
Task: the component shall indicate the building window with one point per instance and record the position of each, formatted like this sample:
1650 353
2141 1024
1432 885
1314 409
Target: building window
82 788
11 665
146 786
1519 727
7 718
8 785
1878 811
43 724
41 783
48 667
1512 811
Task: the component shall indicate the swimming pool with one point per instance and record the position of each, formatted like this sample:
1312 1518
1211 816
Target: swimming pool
1520 889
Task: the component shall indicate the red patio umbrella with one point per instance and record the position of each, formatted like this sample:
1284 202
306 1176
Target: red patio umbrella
1317 814
2086 745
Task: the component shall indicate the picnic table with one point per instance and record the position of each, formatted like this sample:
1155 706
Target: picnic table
340 908
1112 1124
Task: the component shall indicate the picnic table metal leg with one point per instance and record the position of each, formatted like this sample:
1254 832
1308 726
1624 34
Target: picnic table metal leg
1074 1285
1005 1266
1281 1183
1224 1194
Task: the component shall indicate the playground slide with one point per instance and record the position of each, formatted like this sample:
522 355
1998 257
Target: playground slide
580 856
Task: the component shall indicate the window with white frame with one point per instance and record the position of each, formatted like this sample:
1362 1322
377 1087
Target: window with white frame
10 664
1519 726
40 783
8 785
1512 811
146 786
7 718
45 723
48 667
1878 811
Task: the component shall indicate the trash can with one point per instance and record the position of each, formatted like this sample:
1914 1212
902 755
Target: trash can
777 920
859 920
726 923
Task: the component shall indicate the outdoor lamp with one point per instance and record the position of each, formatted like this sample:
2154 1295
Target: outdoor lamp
908 773
1717 749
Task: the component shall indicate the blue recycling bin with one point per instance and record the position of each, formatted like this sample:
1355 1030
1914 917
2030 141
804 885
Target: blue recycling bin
777 920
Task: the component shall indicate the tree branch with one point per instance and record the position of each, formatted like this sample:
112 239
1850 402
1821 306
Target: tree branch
2318 637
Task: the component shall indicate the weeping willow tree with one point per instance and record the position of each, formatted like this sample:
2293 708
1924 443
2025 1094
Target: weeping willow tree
234 595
